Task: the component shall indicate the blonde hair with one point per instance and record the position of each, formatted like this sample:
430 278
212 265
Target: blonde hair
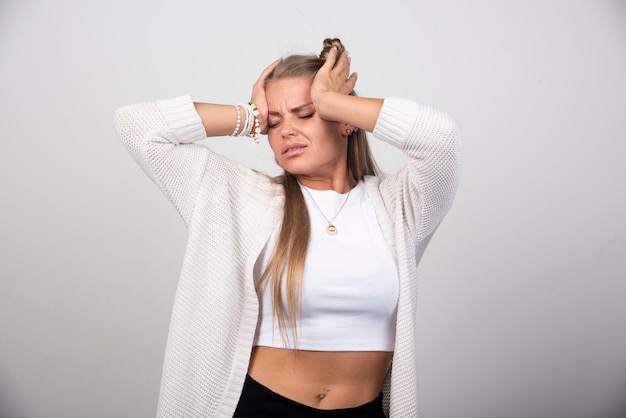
291 249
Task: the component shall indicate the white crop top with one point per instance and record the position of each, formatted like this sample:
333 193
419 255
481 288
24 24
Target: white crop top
350 288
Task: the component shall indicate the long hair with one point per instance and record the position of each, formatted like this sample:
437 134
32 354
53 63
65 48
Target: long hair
289 255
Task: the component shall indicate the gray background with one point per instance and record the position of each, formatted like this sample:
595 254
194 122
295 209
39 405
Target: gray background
522 302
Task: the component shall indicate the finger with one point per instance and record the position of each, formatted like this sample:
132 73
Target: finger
351 82
342 66
343 59
331 58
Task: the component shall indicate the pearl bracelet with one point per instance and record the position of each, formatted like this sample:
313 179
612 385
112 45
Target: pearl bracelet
251 126
238 125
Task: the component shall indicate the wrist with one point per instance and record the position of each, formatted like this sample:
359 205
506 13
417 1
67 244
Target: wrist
247 121
326 105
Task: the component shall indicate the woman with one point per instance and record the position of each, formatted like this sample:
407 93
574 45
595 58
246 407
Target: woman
297 296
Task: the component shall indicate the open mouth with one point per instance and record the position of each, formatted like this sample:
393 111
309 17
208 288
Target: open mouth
293 149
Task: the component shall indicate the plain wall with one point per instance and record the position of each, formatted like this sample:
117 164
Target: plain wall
522 290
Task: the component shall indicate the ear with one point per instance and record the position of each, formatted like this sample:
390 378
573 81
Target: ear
348 129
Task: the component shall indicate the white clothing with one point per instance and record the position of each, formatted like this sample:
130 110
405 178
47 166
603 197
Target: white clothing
350 287
230 212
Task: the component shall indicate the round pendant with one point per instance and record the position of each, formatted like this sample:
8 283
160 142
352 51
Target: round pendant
331 229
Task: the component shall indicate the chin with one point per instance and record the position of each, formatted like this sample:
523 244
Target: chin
292 169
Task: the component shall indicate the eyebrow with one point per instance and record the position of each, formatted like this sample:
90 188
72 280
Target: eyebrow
293 110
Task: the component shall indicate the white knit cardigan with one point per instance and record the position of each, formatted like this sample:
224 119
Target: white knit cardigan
230 212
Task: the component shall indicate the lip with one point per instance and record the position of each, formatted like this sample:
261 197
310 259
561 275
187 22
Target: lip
292 150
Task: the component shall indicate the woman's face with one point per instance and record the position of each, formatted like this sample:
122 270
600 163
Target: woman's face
304 144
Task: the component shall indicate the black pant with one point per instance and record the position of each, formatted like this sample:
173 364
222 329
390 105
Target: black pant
257 401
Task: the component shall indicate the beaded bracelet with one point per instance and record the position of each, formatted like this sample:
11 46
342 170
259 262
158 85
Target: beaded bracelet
254 134
251 126
238 125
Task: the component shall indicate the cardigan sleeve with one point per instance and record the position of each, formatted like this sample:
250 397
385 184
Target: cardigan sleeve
161 137
421 193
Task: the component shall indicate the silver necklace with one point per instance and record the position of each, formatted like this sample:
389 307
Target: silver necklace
331 228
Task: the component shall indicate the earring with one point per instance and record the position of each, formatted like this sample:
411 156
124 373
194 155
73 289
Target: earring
348 131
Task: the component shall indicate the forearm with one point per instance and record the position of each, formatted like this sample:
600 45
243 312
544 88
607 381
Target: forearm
360 112
219 119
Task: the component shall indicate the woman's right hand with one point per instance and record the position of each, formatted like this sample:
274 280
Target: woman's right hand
258 95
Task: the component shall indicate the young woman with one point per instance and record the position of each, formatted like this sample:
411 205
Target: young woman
298 294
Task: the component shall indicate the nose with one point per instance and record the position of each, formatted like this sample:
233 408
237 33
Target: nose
288 130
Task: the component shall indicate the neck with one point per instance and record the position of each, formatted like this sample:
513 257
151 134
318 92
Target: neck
340 185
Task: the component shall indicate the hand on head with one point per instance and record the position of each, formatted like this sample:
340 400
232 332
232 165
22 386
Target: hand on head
258 95
333 77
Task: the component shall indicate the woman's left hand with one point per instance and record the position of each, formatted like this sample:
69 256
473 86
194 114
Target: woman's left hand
333 77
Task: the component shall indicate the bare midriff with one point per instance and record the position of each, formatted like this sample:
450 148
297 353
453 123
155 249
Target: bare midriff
321 379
